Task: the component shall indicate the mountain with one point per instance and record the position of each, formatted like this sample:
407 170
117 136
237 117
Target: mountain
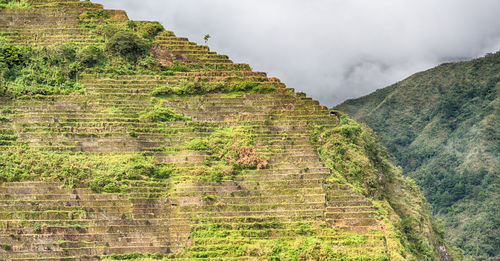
121 141
443 127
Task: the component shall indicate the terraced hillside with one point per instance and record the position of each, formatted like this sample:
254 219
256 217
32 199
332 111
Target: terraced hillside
182 153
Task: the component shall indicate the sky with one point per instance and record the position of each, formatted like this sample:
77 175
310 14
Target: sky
331 49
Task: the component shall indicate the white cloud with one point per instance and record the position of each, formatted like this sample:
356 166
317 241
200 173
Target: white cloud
332 49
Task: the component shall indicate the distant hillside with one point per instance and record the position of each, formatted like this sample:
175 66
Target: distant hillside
443 127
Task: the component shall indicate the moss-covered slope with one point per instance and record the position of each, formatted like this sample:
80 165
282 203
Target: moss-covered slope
443 127
119 140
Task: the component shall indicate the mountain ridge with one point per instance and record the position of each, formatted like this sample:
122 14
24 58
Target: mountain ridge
441 125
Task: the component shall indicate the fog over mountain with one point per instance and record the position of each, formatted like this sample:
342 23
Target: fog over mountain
332 49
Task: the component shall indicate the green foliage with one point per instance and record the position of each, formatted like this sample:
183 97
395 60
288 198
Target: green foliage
161 114
133 256
40 71
91 56
128 45
443 127
198 144
4 118
355 157
206 38
97 14
13 55
5 247
196 88
304 240
311 248
162 171
151 30
230 150
413 239
19 4
353 154
101 172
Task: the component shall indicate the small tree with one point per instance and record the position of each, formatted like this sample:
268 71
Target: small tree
91 56
128 45
206 38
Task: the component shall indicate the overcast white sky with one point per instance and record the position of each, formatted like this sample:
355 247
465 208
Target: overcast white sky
332 49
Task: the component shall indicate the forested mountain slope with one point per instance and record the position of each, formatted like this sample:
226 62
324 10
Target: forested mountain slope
443 127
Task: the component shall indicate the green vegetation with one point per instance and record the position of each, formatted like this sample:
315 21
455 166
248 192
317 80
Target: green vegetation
161 114
34 72
229 151
442 127
5 247
354 156
134 256
26 71
299 241
13 4
101 172
197 88
128 45
206 38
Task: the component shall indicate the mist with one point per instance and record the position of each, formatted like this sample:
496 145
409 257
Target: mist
331 49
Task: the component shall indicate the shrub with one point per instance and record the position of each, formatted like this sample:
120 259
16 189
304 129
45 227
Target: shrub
198 144
128 45
104 183
42 71
151 30
13 4
194 88
163 172
12 54
91 56
131 24
97 14
162 114
212 175
5 247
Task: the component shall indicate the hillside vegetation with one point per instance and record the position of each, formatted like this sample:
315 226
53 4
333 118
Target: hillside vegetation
122 141
443 127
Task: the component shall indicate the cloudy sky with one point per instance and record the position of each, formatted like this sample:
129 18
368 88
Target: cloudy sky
332 49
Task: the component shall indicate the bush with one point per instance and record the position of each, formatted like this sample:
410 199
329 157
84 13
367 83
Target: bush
5 247
163 172
12 55
104 183
198 144
151 30
91 56
161 114
13 4
194 88
42 71
128 45
97 14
